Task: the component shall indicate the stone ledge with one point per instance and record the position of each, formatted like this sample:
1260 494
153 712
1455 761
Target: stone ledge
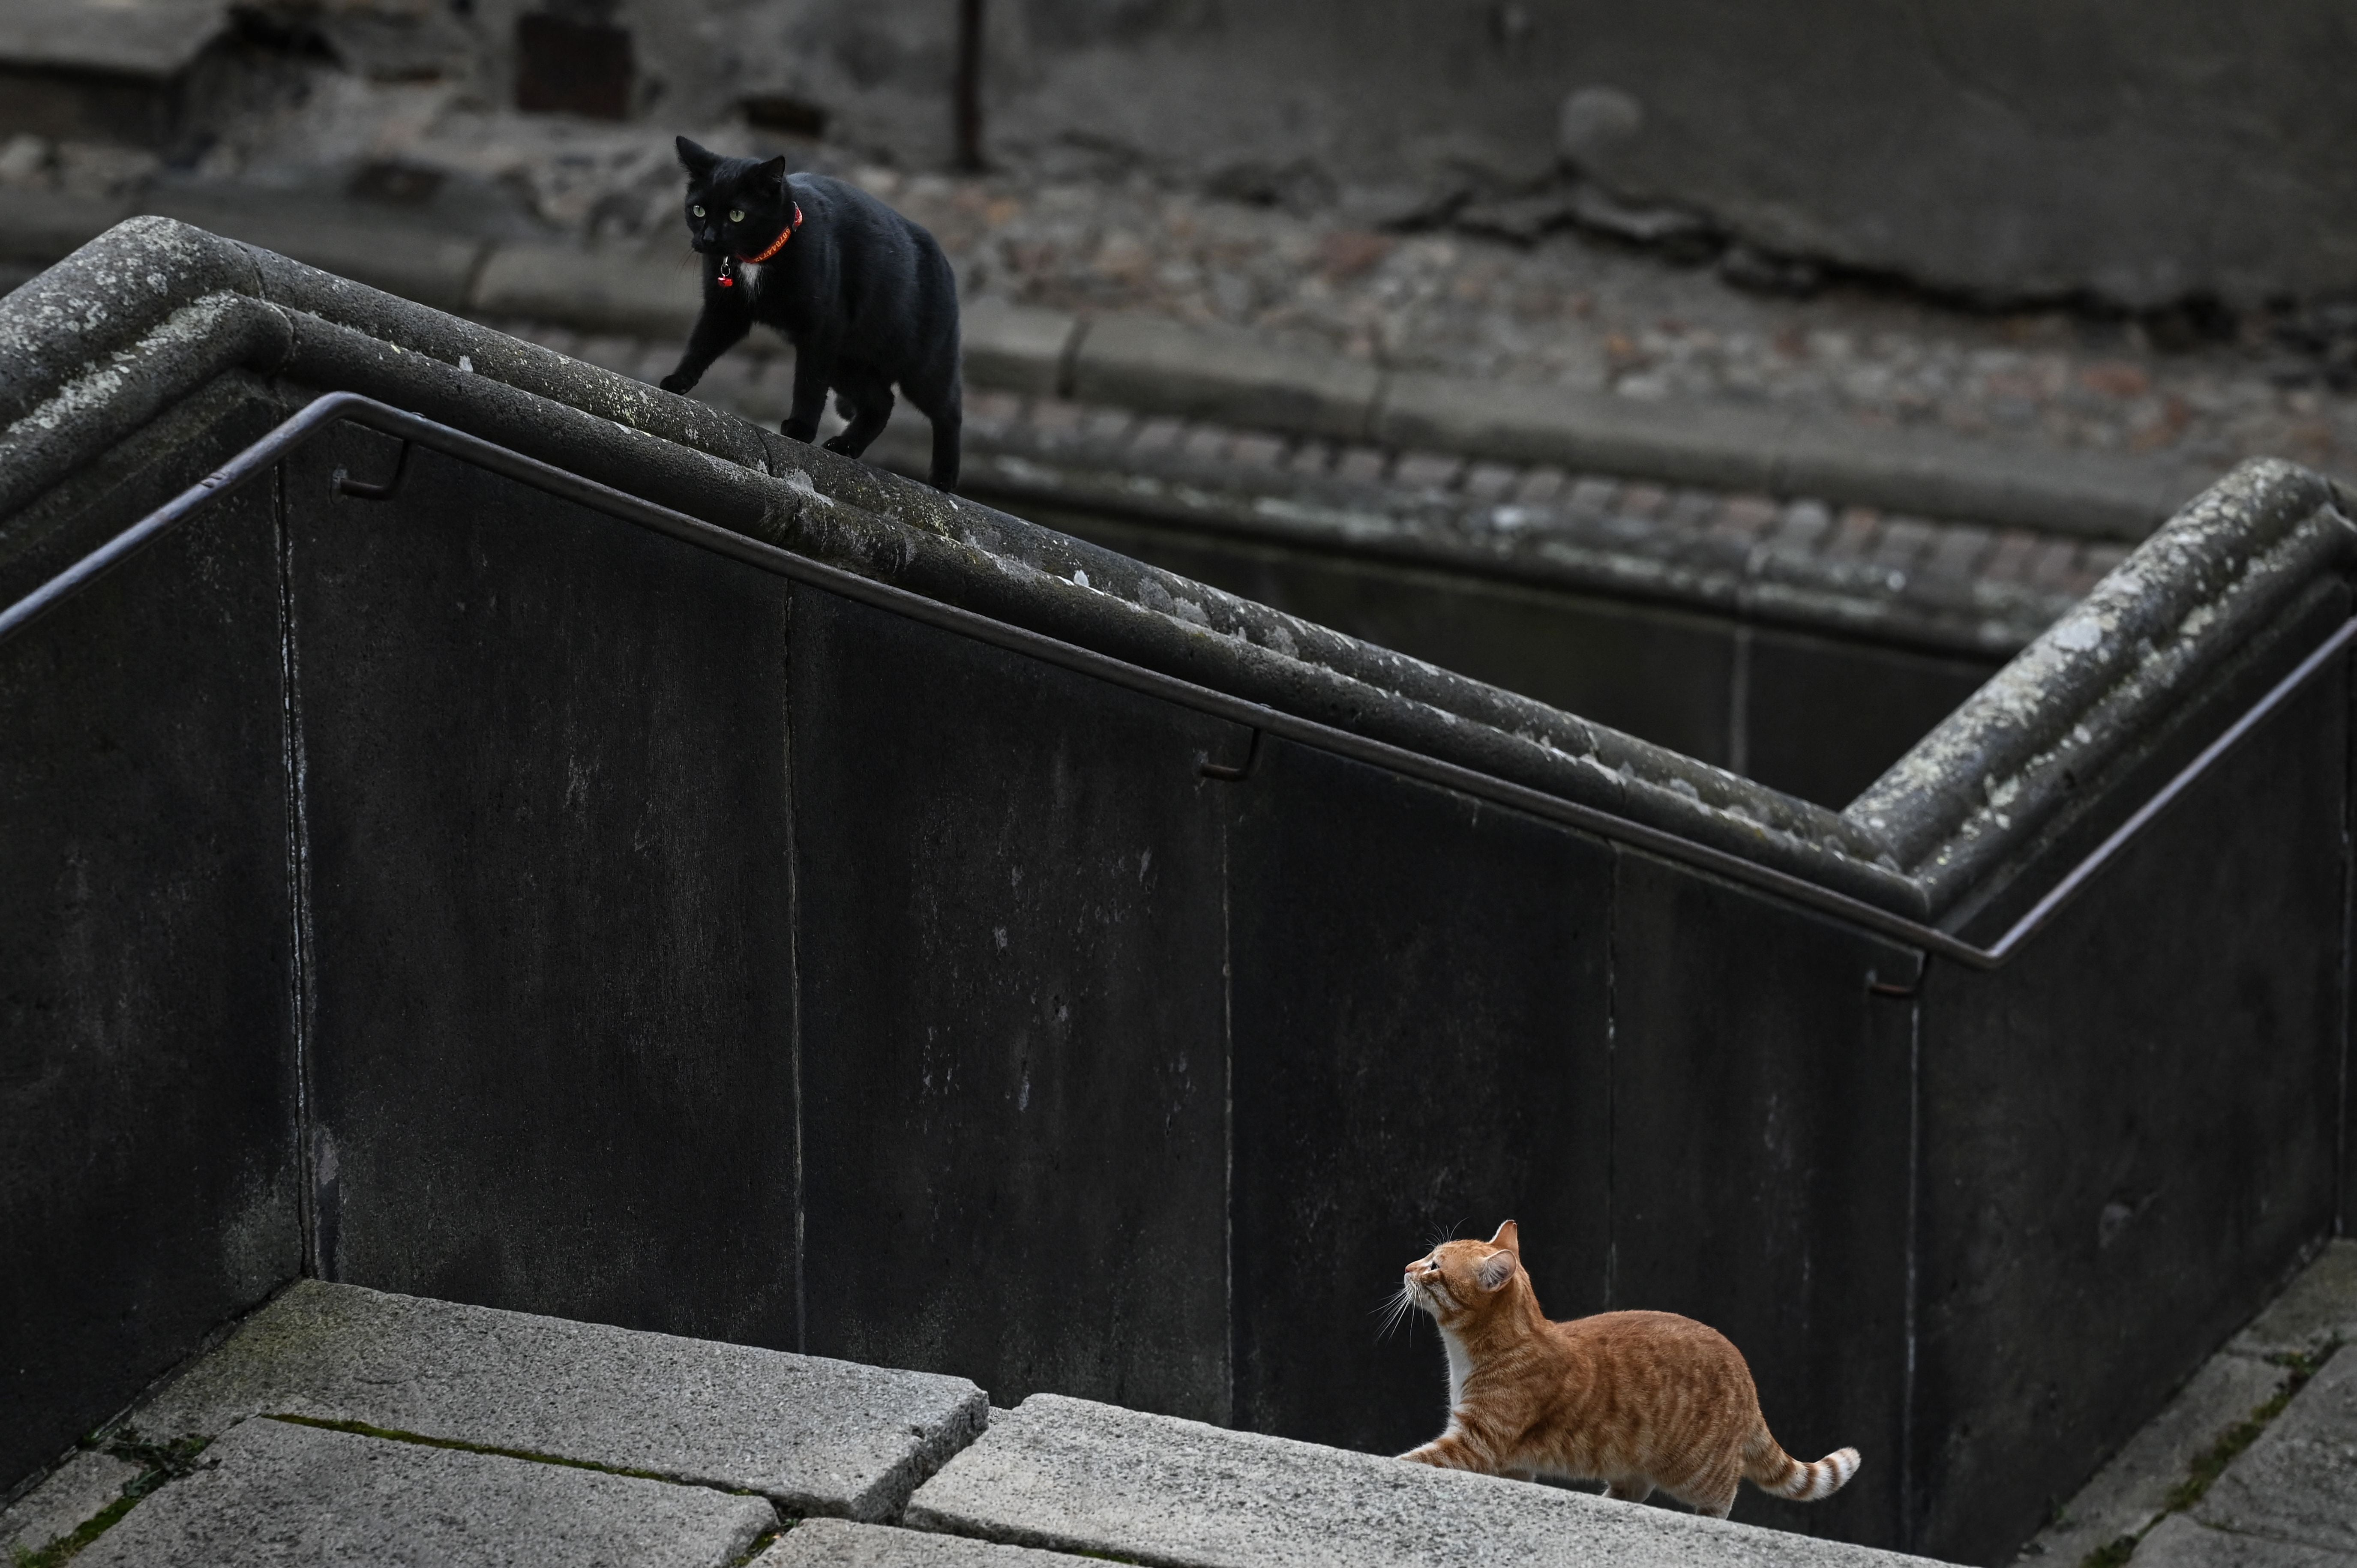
814 1436
431 266
1163 367
1783 453
1072 1476
1017 348
271 1490
612 291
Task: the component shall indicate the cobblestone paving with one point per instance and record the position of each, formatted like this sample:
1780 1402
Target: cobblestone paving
1564 309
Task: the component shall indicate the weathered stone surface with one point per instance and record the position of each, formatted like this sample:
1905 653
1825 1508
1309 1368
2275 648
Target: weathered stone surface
2179 1543
2320 1307
1070 1475
2031 151
1020 348
77 1491
1161 367
2130 1492
2298 1481
838 1544
814 1435
270 1491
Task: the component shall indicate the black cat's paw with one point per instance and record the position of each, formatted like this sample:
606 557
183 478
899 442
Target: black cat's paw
837 444
793 432
678 383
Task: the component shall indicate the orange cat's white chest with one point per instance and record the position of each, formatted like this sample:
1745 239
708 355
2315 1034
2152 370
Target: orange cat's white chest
1460 1367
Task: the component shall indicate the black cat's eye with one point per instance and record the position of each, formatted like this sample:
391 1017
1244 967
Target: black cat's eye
697 210
736 215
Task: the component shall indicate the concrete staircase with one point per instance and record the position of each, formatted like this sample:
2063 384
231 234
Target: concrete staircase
2253 1465
339 1424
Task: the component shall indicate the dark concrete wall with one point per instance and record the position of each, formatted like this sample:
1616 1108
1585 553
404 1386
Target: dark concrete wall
549 902
1423 1048
1012 951
148 1182
2070 1100
147 1097
1813 716
2141 151
692 951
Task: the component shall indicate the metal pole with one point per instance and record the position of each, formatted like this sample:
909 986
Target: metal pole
968 89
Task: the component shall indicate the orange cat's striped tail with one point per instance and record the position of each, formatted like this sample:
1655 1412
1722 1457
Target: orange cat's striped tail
1768 1467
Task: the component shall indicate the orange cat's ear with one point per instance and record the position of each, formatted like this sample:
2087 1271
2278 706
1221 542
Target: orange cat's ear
1494 1270
1509 1238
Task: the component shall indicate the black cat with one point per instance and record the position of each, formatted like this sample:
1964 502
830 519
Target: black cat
865 297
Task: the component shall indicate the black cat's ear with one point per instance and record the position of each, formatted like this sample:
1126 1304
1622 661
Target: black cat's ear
772 174
697 160
1494 1270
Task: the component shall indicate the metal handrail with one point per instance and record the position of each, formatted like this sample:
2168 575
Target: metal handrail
410 428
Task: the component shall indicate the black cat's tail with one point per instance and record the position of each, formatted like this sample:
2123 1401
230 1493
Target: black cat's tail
936 389
948 424
938 396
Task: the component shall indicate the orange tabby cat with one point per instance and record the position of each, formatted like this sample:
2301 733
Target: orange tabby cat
1637 1400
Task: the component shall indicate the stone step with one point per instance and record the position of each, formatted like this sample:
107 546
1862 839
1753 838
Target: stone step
77 1490
2297 1484
1073 1475
839 1543
2179 1543
2288 1494
814 1436
273 1491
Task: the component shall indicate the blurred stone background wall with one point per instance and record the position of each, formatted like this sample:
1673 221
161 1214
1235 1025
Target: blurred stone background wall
2139 151
2134 153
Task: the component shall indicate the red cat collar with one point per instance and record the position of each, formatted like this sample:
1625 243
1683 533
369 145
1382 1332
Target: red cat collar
728 263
